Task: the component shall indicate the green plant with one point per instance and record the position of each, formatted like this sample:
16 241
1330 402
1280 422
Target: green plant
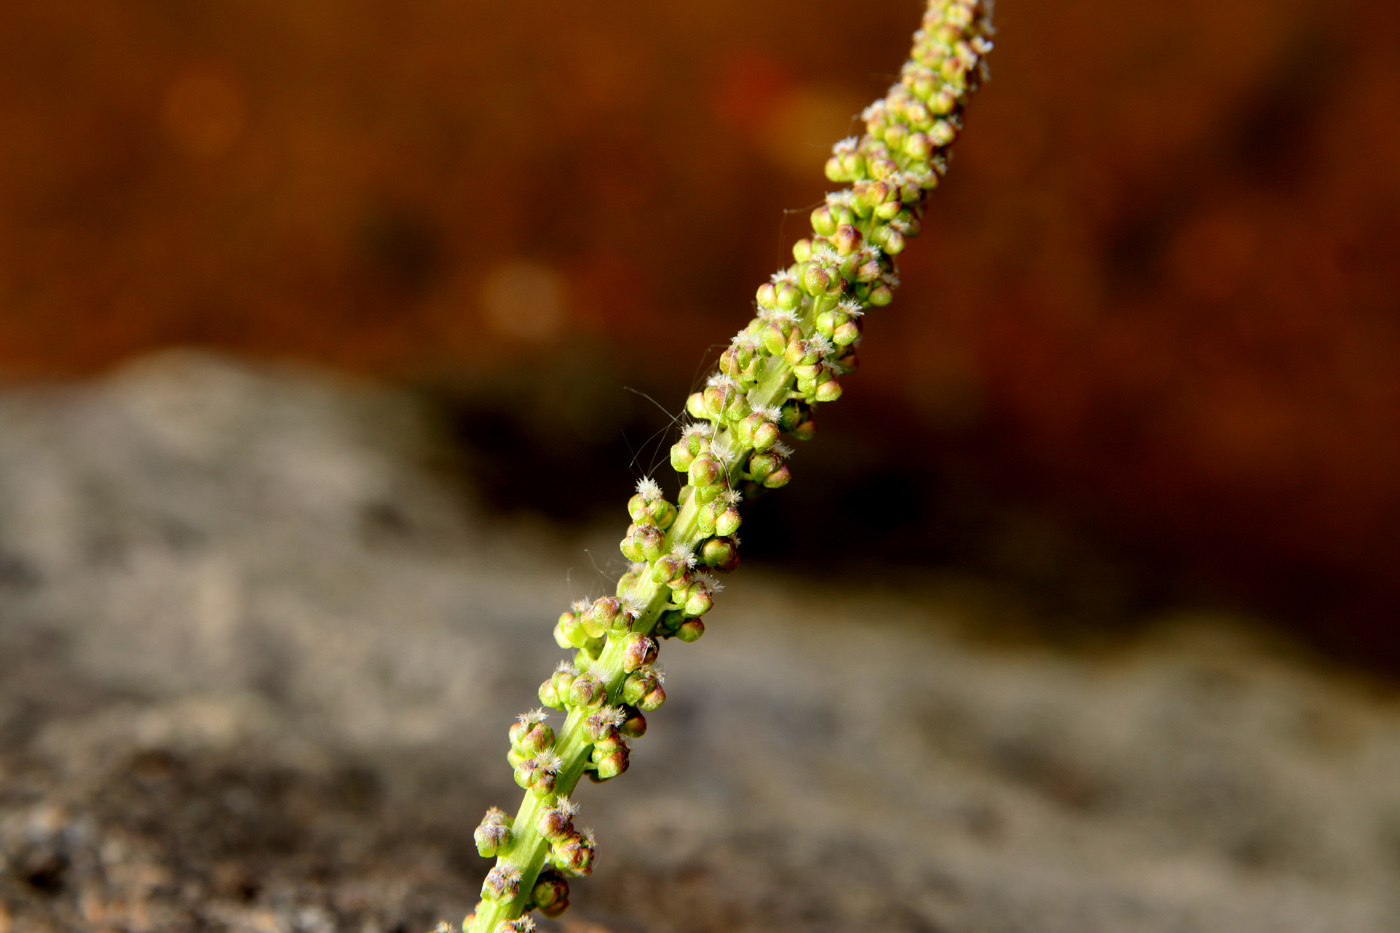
775 370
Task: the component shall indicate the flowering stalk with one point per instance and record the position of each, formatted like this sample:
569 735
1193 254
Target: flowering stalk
770 377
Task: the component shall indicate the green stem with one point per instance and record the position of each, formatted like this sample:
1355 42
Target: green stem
803 335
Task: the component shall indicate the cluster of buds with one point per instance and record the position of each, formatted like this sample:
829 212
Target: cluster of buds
788 359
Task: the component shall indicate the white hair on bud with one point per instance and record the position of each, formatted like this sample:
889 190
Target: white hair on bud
769 412
826 254
844 146
870 112
632 607
579 606
892 279
843 198
721 381
648 488
524 925
566 806
566 667
709 582
637 566
696 427
508 874
721 448
589 838
899 226
731 497
783 277
533 716
781 316
612 715
745 340
684 553
657 671
548 761
494 816
782 450
819 343
851 307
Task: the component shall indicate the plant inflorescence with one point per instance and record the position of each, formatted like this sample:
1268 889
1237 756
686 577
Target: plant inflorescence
774 372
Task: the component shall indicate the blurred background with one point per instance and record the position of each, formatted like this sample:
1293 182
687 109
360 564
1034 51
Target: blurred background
1146 353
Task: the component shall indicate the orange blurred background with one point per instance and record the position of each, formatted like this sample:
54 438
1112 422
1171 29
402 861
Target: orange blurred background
1157 299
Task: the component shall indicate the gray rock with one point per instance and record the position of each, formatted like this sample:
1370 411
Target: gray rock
258 654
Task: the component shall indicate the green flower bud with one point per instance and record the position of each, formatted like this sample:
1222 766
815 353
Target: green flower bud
816 280
762 463
640 685
721 553
767 296
542 767
894 243
823 223
557 821
587 692
890 209
653 699
502 883
695 407
728 521
637 650
773 339
493 836
895 136
612 764
635 725
778 478
828 391
845 335
697 603
704 472
628 546
681 456
648 541
666 569
530 736
549 696
691 630
802 250
573 854
847 239
880 296
942 133
566 630
834 170
550 894
789 297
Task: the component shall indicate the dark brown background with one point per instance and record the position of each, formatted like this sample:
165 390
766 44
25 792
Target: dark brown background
1152 323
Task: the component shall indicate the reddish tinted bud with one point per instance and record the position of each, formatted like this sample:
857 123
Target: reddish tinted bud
720 553
638 650
847 239
612 764
502 883
587 692
550 894
635 725
728 521
653 699
778 478
703 472
690 630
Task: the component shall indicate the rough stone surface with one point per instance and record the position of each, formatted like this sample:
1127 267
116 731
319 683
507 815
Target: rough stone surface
258 655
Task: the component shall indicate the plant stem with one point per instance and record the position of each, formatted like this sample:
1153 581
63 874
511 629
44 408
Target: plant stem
772 375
